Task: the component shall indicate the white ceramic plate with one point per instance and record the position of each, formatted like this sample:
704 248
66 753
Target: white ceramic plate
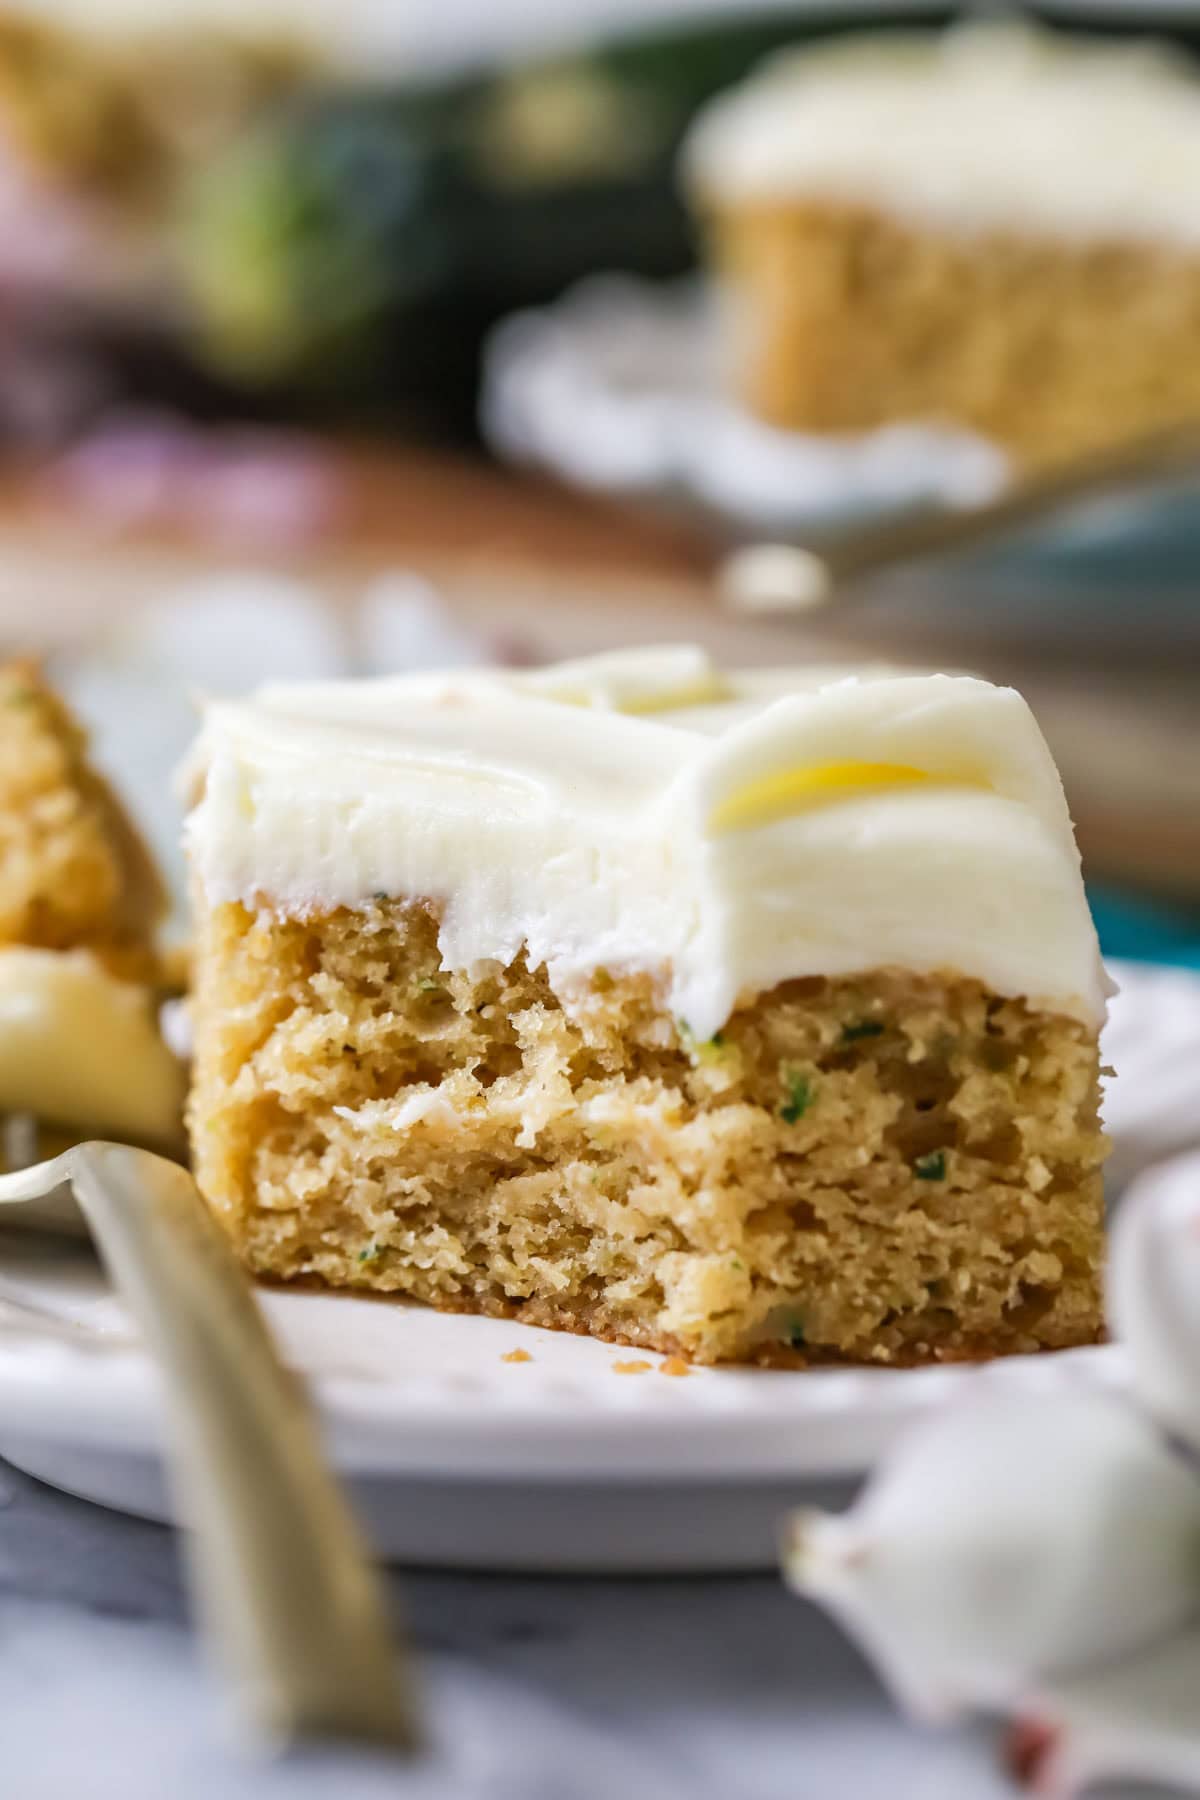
618 387
461 1457
560 1462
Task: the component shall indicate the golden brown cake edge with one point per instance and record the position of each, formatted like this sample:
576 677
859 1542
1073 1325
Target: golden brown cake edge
928 1190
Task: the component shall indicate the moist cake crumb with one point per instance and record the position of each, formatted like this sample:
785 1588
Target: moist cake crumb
73 872
589 1172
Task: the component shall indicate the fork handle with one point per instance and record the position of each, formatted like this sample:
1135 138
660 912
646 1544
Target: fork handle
279 1569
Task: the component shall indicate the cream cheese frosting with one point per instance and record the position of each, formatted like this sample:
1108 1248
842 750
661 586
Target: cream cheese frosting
986 126
81 1048
645 811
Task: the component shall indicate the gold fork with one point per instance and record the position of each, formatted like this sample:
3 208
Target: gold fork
279 1572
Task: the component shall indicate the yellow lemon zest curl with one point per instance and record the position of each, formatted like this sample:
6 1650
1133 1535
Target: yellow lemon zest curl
791 790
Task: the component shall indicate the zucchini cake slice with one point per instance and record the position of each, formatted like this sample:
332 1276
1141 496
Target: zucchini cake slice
747 1016
996 226
80 976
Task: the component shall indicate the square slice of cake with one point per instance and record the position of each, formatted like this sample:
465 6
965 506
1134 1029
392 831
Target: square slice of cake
997 227
747 1016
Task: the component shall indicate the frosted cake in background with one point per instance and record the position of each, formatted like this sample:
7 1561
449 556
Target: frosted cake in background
998 226
748 1016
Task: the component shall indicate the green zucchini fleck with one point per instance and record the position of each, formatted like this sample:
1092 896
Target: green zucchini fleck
799 1096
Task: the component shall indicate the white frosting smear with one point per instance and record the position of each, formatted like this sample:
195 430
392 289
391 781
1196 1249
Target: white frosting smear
82 1049
987 126
645 811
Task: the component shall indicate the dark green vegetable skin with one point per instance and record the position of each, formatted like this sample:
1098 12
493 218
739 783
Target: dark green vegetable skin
355 249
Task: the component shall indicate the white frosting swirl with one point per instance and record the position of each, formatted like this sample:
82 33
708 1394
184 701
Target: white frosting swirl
642 811
80 1048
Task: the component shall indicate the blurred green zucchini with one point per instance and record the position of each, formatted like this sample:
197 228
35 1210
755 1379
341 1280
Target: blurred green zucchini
356 245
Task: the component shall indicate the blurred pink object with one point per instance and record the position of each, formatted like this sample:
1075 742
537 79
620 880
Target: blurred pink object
234 485
49 239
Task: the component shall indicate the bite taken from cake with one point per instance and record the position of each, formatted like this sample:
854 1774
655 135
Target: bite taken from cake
745 1016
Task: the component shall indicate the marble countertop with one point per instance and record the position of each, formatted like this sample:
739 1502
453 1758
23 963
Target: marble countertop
542 1689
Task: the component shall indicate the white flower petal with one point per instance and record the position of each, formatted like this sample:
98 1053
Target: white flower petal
1008 1539
1137 1720
1154 1291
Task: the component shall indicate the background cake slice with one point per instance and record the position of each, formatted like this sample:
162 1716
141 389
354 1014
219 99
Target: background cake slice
997 227
752 1017
80 974
73 870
